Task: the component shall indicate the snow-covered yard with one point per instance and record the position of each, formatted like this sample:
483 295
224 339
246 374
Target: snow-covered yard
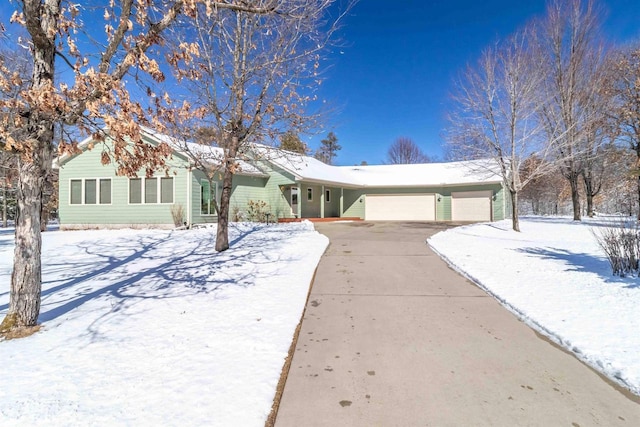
555 277
156 328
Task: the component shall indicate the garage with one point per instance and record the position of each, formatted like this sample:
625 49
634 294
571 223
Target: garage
471 206
400 207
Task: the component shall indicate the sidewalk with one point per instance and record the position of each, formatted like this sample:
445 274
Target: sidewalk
393 337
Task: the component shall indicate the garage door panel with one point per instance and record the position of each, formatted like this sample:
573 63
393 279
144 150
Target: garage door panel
400 207
471 206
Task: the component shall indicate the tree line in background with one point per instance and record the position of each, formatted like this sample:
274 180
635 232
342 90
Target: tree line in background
559 111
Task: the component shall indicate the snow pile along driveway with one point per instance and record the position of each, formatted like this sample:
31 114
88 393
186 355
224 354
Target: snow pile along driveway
555 277
156 328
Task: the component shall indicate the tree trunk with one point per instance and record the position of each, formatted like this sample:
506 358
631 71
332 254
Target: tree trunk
588 190
515 220
638 197
222 236
575 197
4 202
26 278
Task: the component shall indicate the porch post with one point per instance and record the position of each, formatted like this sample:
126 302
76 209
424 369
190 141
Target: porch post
341 201
300 201
322 203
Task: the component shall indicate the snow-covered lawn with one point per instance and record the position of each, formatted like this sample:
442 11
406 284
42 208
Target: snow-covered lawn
555 277
156 328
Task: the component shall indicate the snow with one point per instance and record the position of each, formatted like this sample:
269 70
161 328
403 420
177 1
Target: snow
425 174
156 328
554 276
372 176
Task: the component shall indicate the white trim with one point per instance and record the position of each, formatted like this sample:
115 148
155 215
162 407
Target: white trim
189 198
82 191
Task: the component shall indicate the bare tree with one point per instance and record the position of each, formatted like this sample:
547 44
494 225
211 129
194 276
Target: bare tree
251 77
624 86
497 114
569 51
405 151
328 149
92 95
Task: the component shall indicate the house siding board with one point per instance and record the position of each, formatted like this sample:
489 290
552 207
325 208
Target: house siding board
332 208
310 209
278 200
353 203
88 165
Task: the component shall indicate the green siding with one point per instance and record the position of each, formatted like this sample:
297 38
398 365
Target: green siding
353 203
88 165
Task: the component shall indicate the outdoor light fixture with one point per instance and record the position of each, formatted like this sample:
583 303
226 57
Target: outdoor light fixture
439 198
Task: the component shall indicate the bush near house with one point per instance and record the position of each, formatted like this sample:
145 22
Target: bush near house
257 211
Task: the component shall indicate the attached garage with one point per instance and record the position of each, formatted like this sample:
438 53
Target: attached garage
400 207
471 206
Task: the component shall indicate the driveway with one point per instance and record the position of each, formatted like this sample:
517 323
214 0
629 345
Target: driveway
393 337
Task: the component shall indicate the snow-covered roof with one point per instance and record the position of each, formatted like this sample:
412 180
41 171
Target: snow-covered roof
425 174
205 153
306 168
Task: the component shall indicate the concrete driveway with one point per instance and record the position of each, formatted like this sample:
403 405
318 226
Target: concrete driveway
393 337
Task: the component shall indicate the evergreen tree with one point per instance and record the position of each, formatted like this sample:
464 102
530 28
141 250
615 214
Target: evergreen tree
328 149
291 142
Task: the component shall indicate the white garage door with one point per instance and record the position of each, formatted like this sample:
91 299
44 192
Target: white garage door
400 207
471 206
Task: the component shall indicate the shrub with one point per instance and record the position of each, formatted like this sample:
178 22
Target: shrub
257 211
177 213
236 214
621 245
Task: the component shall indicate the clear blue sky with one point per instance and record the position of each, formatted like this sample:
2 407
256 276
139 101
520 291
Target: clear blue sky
393 76
401 57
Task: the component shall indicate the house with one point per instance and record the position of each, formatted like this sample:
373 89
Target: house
293 186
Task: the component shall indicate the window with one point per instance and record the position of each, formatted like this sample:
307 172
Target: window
135 190
76 192
327 196
166 190
207 197
105 191
151 190
91 191
309 194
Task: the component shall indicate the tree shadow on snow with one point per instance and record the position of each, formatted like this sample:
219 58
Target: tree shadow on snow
137 268
582 262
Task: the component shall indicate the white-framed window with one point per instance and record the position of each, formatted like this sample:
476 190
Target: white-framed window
327 196
207 198
309 194
152 190
90 191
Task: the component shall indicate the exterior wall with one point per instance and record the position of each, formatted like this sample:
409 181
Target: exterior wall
277 191
120 213
354 208
310 209
353 203
332 208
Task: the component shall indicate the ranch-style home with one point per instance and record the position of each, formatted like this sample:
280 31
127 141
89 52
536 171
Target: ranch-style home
292 186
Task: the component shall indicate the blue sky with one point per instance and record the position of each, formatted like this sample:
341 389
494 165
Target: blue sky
393 75
396 72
